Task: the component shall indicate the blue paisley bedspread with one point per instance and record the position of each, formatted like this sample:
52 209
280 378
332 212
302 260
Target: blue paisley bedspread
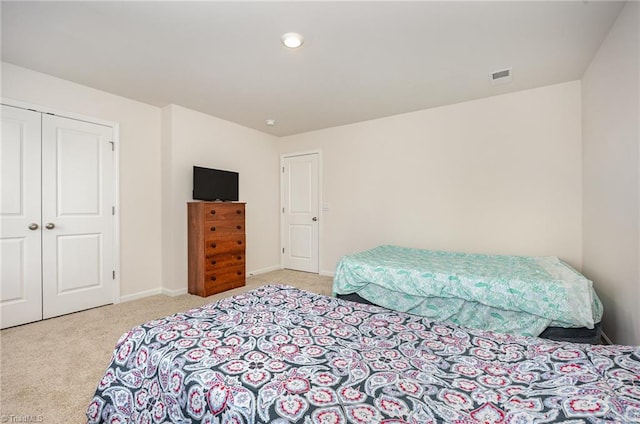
510 294
277 354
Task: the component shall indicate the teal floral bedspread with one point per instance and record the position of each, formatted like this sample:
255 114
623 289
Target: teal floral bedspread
510 294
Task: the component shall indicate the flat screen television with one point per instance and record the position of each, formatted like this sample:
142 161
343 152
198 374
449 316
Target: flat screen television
214 184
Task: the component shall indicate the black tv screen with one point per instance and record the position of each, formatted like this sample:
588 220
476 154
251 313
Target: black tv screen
214 184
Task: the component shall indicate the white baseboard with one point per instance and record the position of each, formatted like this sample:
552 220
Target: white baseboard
152 292
173 293
264 270
178 292
279 267
606 338
140 295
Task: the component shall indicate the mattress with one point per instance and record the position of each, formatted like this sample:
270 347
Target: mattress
511 294
281 355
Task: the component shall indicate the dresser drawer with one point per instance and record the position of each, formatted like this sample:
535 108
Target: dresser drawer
213 287
223 276
224 260
223 212
223 245
217 229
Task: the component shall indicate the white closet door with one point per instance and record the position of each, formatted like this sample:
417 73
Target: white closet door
20 236
77 220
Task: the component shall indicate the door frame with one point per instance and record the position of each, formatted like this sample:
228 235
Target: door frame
283 236
116 174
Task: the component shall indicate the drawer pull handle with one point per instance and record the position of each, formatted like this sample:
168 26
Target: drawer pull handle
239 258
213 245
238 211
213 262
213 278
212 228
239 227
239 241
213 211
239 272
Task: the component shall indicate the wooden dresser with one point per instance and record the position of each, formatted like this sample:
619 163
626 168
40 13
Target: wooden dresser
216 247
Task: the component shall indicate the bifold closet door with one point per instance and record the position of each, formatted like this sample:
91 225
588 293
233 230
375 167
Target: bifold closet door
20 224
77 217
57 223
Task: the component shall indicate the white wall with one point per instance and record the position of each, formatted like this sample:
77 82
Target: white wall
611 180
139 163
198 139
498 175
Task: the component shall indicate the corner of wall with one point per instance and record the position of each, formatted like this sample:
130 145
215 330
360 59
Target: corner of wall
166 214
610 176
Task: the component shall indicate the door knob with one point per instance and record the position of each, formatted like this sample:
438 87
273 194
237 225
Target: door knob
314 219
50 226
33 226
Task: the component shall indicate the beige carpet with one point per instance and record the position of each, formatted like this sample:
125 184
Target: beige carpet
49 370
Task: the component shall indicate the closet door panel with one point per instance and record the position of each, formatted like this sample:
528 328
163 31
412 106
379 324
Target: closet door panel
20 235
79 262
78 170
77 196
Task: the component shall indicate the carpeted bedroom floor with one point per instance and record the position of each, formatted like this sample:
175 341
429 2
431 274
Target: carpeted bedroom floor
49 370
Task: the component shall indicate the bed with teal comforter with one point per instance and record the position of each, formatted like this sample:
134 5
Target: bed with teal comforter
509 294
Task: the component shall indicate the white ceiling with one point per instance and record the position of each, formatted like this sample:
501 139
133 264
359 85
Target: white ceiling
360 60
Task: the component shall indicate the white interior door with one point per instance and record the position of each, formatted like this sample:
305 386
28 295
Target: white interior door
300 207
77 217
20 235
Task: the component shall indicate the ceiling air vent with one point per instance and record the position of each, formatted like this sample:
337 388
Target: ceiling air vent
502 76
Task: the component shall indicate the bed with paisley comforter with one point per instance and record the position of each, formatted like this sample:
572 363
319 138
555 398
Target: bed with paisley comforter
278 354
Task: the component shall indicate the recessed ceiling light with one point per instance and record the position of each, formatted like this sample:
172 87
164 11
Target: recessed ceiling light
292 40
270 122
